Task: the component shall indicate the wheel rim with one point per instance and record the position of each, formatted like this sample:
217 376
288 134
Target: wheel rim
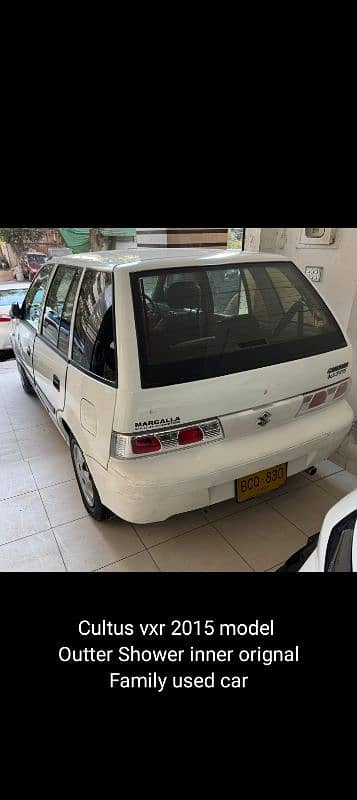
83 475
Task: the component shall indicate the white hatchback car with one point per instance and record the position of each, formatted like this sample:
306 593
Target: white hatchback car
183 378
9 293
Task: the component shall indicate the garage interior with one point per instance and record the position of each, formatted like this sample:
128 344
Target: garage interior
44 526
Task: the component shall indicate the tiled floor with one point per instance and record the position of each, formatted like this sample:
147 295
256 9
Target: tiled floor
44 526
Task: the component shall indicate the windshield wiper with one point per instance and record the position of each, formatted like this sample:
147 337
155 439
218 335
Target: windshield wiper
254 343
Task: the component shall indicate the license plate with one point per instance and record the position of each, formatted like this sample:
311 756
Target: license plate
261 482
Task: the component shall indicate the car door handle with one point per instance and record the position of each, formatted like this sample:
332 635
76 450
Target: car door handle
56 382
28 351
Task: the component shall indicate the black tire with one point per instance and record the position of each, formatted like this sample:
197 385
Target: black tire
26 385
95 508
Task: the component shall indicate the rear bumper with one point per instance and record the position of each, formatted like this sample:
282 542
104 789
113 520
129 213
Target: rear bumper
155 488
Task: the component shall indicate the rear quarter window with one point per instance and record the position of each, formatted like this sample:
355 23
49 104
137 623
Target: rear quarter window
94 347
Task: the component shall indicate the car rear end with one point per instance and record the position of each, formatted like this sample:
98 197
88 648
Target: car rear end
233 376
8 295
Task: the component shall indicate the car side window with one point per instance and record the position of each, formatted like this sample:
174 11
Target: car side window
35 297
94 337
55 301
67 312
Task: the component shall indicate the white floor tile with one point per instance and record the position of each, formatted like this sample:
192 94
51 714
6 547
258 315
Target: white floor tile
51 469
140 563
40 441
9 449
22 516
230 507
38 553
339 485
323 470
5 424
15 478
87 545
163 531
305 508
26 414
200 551
63 503
262 537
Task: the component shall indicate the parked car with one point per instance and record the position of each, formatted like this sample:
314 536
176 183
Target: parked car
172 393
9 293
335 548
31 263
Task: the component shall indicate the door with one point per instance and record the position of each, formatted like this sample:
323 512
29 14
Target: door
92 372
27 328
50 359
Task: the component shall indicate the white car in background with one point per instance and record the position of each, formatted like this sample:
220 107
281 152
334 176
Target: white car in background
9 293
335 548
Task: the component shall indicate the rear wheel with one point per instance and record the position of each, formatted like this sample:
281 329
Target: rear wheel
26 385
86 485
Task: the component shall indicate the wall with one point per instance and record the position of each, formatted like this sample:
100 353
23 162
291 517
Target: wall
182 237
339 283
339 261
197 237
151 237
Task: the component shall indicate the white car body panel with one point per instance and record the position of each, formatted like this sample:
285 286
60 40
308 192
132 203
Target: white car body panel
346 506
6 328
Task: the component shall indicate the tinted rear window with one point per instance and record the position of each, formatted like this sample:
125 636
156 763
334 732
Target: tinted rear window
200 323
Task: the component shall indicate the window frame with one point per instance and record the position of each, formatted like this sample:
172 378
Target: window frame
26 321
40 332
112 384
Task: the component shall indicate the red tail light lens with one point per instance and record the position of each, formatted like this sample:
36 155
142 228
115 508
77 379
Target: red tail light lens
145 444
342 390
5 318
318 399
190 436
324 397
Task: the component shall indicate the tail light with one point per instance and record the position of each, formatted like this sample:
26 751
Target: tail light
142 445
324 397
5 318
124 446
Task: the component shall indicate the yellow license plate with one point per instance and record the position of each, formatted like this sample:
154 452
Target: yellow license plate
261 482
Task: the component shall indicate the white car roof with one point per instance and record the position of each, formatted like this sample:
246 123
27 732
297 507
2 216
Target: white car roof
15 285
144 259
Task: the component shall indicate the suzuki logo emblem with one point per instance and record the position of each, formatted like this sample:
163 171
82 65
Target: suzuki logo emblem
264 420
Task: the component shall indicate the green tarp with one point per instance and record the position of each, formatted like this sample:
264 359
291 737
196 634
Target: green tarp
78 239
125 233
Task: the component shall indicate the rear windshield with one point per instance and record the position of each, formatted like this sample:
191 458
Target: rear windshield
200 323
10 296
